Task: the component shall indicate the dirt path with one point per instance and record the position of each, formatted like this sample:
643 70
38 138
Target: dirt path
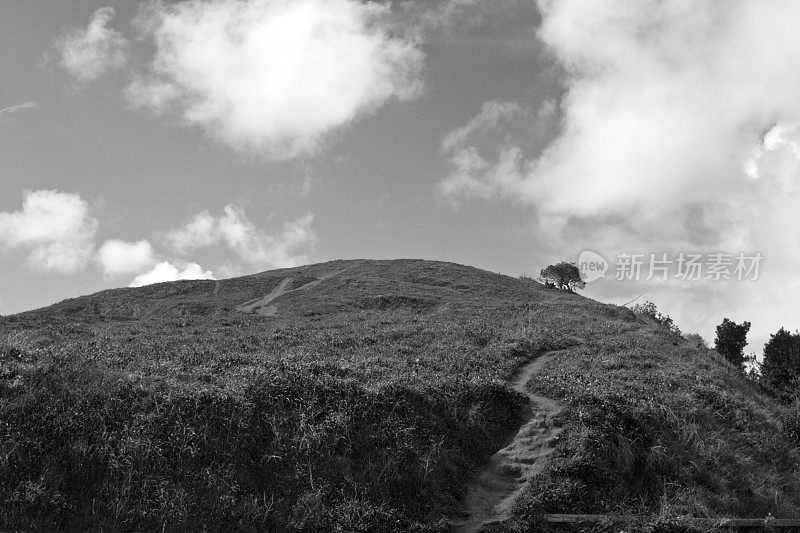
263 307
491 494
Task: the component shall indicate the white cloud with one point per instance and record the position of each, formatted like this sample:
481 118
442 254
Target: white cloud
199 231
777 158
119 257
10 110
55 228
487 154
89 53
677 131
664 101
166 271
274 78
254 246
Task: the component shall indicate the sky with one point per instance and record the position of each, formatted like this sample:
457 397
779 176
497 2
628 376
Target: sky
656 141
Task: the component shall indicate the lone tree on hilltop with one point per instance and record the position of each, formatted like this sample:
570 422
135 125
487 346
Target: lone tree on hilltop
731 340
563 275
781 366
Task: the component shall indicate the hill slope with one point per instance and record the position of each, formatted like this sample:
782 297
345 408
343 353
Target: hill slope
365 395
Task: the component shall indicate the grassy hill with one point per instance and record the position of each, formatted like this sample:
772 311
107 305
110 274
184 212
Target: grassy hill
365 403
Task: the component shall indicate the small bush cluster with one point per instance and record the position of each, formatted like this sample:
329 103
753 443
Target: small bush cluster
648 310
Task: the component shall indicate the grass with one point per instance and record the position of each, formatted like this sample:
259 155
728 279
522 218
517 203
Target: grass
364 406
656 427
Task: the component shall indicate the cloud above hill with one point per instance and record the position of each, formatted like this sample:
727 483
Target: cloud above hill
56 229
273 78
166 271
487 154
89 53
277 79
257 248
677 130
657 108
117 257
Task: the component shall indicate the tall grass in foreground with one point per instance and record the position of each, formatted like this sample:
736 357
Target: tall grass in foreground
82 448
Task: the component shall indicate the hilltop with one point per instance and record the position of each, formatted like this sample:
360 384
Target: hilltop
367 395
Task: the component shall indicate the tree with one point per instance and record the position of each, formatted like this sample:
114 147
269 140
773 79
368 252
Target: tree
649 310
563 275
731 340
781 366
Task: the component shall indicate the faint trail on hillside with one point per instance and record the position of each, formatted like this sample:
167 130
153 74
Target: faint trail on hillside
259 305
263 307
492 492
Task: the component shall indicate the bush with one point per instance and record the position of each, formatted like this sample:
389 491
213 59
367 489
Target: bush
790 423
780 368
731 340
649 311
696 341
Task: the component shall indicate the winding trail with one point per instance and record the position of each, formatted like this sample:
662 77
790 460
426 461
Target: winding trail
264 307
259 305
492 492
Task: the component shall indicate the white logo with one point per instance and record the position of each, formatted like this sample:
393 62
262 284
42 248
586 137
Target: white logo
592 266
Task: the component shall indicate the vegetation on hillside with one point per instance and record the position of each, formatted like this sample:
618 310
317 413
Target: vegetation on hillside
731 340
780 369
648 310
656 427
563 275
365 405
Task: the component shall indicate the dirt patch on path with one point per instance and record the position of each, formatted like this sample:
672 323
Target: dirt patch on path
264 307
492 492
261 305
